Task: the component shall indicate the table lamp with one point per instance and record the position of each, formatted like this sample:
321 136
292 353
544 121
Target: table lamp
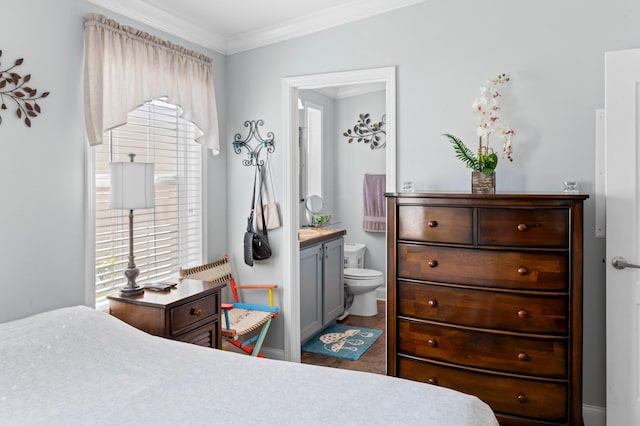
132 187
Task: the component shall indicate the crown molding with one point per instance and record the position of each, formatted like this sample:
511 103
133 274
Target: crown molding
341 92
329 18
165 21
357 90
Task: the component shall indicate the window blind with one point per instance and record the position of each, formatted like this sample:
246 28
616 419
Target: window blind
169 235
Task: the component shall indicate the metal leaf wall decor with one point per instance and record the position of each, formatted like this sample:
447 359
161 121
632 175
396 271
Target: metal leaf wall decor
367 131
14 90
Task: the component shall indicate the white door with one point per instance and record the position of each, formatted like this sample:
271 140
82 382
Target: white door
622 109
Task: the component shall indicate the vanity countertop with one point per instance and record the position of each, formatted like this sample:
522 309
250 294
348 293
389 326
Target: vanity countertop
318 235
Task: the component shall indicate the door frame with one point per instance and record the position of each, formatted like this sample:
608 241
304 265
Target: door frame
291 168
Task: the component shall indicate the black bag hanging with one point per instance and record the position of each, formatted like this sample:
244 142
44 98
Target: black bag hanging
248 235
260 245
256 242
248 248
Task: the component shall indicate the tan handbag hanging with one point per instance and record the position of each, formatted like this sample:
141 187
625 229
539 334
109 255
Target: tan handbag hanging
269 203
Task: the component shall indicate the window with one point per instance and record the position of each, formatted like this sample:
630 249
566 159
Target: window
167 236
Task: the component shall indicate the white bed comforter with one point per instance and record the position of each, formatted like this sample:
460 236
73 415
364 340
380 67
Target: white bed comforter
77 366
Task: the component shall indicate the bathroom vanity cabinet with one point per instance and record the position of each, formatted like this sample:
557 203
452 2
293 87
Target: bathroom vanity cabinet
321 285
485 297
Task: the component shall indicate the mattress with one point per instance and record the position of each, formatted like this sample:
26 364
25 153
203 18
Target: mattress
78 366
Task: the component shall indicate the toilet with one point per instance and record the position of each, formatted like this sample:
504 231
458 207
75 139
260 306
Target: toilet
361 282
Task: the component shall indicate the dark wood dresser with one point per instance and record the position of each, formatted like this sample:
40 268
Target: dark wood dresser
190 312
485 297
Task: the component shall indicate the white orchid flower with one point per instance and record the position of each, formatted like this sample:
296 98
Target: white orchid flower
486 109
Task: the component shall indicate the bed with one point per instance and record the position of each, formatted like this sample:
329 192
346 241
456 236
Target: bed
78 366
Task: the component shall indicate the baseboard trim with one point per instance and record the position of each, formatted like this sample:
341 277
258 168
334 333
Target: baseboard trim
272 353
594 416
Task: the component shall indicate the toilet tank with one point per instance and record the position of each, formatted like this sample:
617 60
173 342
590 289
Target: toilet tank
354 255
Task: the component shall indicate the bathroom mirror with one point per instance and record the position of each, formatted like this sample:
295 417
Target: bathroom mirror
314 204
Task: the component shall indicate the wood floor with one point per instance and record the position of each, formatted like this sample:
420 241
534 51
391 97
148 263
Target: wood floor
373 360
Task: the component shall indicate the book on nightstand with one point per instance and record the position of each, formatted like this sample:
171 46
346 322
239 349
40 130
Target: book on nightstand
160 286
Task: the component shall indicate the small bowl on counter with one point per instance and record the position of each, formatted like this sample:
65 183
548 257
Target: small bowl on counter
321 219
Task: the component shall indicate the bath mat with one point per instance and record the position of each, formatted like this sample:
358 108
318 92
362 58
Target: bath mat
342 341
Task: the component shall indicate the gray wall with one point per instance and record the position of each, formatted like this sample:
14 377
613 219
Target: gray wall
352 161
444 50
328 105
345 166
42 168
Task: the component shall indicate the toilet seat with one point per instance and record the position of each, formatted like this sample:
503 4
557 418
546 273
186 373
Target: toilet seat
362 274
363 277
362 283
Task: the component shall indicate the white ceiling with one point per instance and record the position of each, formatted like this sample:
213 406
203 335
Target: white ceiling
231 26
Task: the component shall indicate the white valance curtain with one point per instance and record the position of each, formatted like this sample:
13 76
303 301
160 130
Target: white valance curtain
125 67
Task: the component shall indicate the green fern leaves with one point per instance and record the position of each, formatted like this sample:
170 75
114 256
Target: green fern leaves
485 163
464 153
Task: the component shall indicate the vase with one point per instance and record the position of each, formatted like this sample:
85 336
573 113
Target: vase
483 184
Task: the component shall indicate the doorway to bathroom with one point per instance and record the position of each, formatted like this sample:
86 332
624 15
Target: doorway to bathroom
385 79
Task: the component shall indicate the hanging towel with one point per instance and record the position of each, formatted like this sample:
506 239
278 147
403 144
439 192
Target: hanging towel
375 207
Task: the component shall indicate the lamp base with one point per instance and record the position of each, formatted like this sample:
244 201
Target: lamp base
132 288
132 291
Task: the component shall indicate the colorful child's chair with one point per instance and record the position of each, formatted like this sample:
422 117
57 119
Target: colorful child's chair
245 325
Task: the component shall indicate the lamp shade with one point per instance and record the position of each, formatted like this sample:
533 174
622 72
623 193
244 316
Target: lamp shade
132 185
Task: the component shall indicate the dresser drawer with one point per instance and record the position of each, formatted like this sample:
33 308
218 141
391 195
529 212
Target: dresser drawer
436 224
513 354
488 268
506 395
203 336
485 309
191 314
523 227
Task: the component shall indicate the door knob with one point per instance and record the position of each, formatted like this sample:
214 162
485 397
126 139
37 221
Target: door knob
619 262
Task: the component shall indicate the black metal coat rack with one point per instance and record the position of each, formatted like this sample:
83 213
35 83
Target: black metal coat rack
253 148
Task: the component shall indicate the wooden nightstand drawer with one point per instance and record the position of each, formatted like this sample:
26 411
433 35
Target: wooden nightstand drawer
546 357
189 312
486 309
523 227
543 400
193 313
487 268
204 336
436 224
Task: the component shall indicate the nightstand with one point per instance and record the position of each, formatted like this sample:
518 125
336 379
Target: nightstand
189 312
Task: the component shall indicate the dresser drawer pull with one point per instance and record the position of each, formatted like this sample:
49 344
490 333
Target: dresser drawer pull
522 398
522 270
432 303
522 356
432 223
432 380
522 313
522 227
196 312
433 263
432 343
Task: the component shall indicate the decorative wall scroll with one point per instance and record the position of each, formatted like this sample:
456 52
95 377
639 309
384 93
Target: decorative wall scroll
253 152
14 90
368 132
